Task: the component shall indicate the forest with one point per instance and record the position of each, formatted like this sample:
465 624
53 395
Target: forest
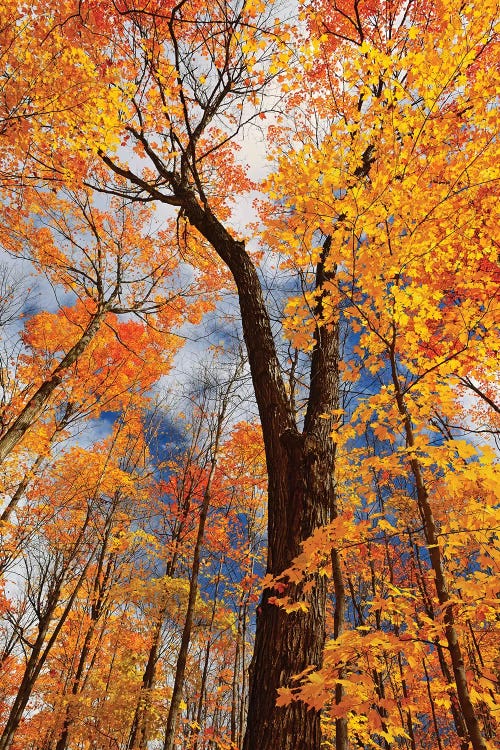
249 386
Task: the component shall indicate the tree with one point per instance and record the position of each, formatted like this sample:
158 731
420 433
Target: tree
82 510
53 579
381 207
397 163
200 532
222 406
198 65
114 269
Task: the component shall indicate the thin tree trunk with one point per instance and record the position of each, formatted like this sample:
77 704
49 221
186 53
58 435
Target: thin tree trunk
243 693
25 689
23 484
206 661
432 540
34 408
37 659
389 563
138 733
409 720
138 736
180 670
433 709
341 738
234 684
99 589
238 687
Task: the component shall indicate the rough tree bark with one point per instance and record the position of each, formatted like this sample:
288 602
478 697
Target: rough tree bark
300 464
301 497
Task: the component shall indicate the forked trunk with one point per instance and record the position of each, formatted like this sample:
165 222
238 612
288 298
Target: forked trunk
301 485
301 495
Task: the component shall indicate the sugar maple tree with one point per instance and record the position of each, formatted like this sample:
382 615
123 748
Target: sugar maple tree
404 182
380 210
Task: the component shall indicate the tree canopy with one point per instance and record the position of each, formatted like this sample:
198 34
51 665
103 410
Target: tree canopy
310 562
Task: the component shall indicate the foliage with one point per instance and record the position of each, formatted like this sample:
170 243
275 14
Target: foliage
124 134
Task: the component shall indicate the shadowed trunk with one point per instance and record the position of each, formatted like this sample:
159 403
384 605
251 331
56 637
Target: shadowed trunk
300 468
301 497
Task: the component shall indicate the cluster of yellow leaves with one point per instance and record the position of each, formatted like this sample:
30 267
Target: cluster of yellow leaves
405 180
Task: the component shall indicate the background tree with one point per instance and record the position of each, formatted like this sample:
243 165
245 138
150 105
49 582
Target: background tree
98 257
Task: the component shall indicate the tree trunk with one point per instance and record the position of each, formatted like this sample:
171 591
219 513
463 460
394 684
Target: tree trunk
341 737
138 732
470 718
206 660
99 591
180 670
30 675
34 408
300 473
301 496
138 737
23 484
38 657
